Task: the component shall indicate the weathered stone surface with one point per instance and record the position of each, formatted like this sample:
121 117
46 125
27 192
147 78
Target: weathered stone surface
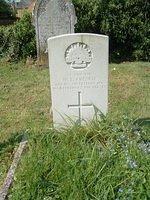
52 18
10 175
79 76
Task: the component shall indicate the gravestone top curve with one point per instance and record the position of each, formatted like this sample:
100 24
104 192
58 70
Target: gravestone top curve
52 18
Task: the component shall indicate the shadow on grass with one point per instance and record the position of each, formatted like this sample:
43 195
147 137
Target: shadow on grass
11 142
143 122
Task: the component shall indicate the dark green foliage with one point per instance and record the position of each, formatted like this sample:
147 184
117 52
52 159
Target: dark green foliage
87 12
127 22
18 41
23 41
6 10
5 38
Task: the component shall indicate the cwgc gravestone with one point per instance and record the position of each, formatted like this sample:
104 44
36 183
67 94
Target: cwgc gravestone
52 18
79 76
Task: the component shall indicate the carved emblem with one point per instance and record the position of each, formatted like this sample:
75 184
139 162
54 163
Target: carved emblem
78 55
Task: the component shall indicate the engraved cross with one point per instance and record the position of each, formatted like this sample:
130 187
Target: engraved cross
79 106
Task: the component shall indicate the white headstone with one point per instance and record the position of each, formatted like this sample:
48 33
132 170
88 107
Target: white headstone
79 76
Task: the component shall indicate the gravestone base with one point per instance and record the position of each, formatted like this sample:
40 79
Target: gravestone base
42 60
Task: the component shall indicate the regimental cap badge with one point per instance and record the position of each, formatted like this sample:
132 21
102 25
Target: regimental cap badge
78 55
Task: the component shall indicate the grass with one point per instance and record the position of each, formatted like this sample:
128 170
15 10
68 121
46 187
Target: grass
130 89
84 163
24 106
107 159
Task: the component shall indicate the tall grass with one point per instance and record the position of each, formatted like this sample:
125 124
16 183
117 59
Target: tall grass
104 160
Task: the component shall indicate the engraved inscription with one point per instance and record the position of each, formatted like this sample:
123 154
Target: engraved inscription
78 55
79 105
77 81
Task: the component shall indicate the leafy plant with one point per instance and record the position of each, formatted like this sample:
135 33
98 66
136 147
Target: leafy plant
18 41
126 22
5 39
6 10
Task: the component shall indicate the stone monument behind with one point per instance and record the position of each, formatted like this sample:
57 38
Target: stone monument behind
79 76
52 18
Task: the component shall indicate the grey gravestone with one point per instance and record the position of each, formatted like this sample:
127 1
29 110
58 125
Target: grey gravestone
52 18
79 76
